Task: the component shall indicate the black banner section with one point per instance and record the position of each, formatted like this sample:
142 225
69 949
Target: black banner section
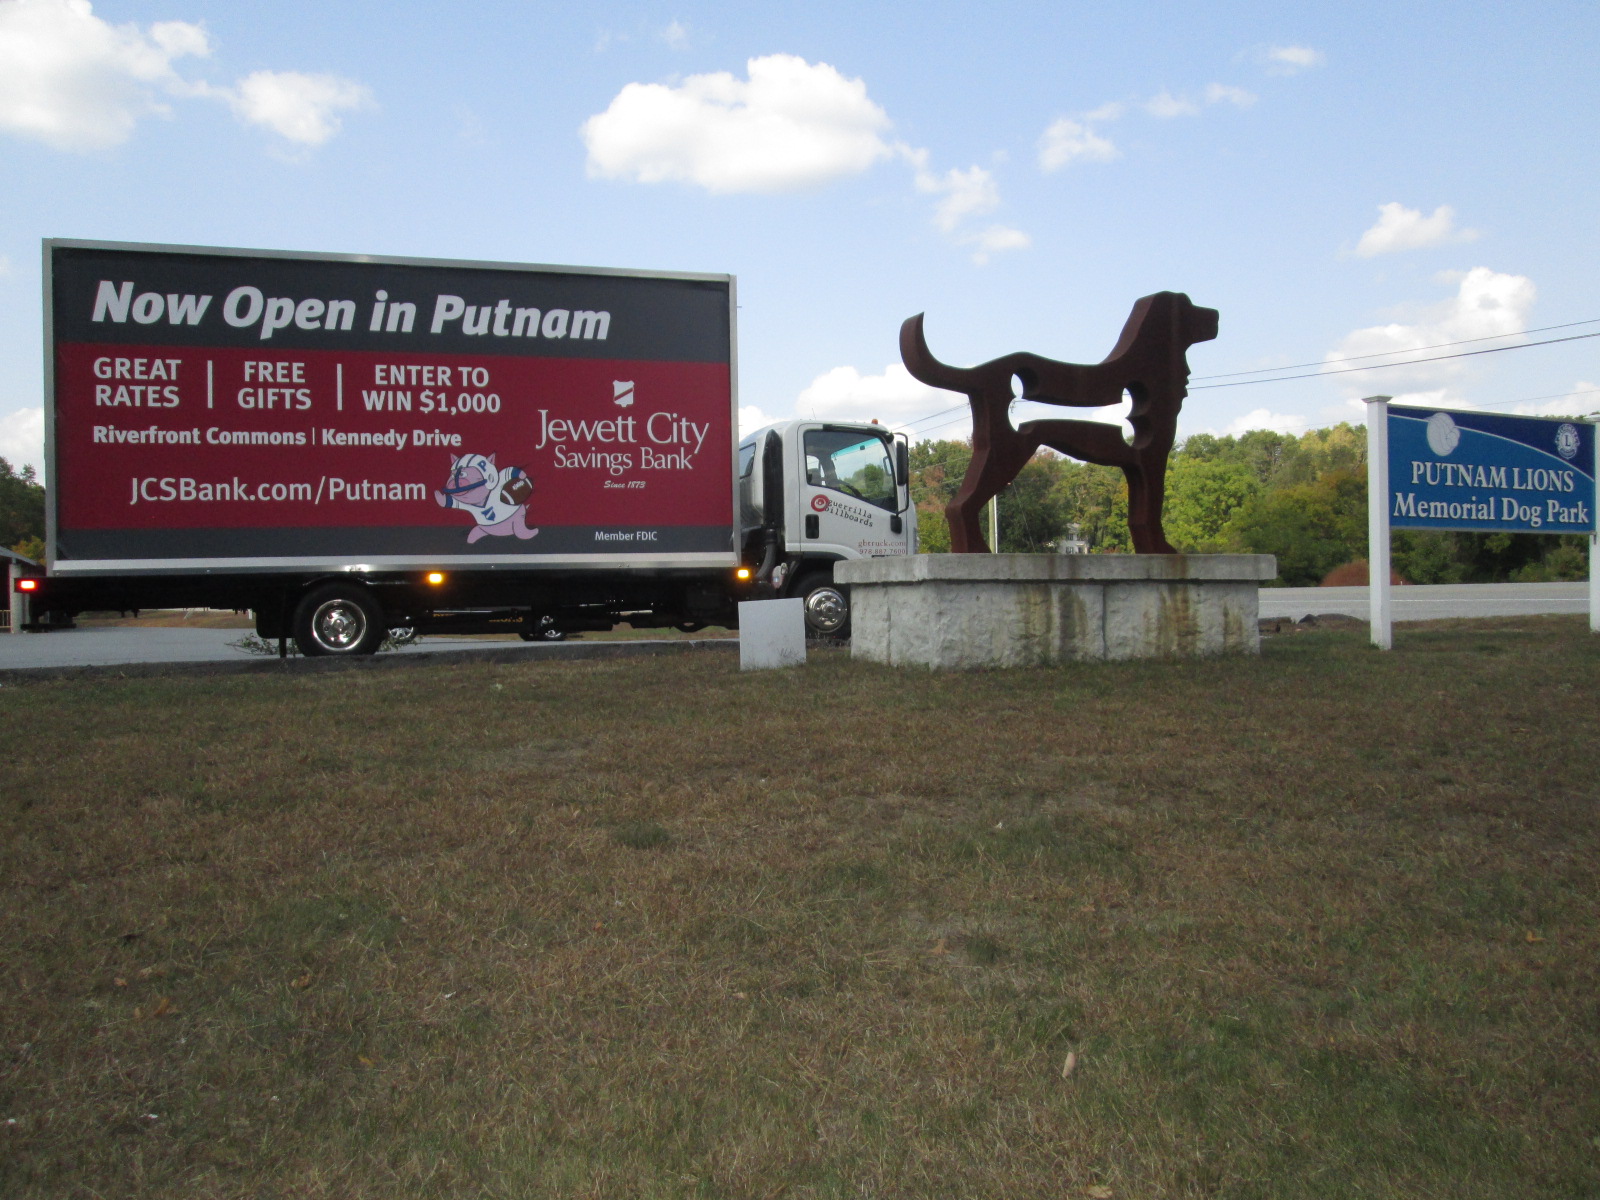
418 544
132 295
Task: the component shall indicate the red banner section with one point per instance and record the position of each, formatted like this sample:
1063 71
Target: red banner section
169 438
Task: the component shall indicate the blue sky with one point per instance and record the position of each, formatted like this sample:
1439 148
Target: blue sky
1337 179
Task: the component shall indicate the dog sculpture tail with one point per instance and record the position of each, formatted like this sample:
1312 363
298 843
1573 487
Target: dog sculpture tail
925 368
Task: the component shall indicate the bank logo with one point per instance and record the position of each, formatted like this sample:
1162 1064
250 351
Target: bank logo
1567 442
1443 435
622 393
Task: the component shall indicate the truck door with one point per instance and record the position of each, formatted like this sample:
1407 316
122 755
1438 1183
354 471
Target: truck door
853 501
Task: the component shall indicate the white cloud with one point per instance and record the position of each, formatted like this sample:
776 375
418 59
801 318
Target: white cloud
790 125
22 439
1165 105
469 126
1290 60
1109 111
1069 141
1078 138
676 36
995 240
1402 228
968 193
1486 304
5 266
1219 93
295 106
1584 398
74 82
1355 410
1262 418
893 397
752 418
1432 398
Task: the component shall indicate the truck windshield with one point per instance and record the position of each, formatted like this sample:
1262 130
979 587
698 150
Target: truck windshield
845 461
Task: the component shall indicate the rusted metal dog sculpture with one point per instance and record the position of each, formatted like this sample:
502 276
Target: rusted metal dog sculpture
1149 362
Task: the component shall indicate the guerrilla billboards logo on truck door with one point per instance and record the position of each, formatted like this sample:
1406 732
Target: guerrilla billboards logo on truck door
838 508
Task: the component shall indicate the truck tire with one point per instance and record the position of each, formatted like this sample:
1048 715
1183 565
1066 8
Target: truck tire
542 629
338 620
826 606
544 635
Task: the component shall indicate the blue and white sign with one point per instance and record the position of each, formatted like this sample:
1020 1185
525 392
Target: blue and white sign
1490 473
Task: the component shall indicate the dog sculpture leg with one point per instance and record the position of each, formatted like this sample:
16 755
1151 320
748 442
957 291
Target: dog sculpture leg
1146 485
995 463
1104 444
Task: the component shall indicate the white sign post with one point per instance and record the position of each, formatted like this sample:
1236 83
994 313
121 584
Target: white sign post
1378 521
1594 543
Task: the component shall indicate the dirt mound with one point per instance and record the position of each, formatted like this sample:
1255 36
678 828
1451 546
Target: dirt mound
1355 574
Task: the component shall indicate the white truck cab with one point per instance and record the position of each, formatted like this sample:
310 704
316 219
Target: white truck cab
813 493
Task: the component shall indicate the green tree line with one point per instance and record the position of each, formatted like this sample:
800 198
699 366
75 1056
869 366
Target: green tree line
21 511
1300 497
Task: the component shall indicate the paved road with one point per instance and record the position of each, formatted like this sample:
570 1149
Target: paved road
102 647
122 646
1431 602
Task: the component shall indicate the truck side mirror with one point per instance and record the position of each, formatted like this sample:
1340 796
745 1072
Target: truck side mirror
902 464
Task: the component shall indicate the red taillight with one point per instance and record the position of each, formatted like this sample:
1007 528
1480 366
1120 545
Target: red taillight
27 585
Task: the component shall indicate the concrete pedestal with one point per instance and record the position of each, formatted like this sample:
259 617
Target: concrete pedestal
1015 610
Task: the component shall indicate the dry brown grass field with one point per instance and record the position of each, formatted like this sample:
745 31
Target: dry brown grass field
1321 924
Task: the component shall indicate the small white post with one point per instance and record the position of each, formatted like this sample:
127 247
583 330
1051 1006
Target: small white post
21 610
994 523
772 633
1378 521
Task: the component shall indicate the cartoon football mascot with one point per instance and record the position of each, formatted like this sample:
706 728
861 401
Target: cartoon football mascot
496 498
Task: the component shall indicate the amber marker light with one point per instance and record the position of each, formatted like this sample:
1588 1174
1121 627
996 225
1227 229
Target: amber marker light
435 576
742 573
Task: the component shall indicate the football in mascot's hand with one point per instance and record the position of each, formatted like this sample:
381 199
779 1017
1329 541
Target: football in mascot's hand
517 491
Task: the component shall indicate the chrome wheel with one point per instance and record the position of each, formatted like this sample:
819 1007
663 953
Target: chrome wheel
338 625
827 610
338 620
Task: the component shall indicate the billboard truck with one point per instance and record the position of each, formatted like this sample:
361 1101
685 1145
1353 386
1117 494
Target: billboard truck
342 445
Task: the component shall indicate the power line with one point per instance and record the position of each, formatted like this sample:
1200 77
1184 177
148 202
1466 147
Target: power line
1577 337
931 416
1390 353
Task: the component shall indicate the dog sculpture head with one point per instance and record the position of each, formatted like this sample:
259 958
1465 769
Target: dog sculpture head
1168 319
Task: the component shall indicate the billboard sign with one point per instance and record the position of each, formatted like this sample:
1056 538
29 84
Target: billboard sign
1490 473
249 410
